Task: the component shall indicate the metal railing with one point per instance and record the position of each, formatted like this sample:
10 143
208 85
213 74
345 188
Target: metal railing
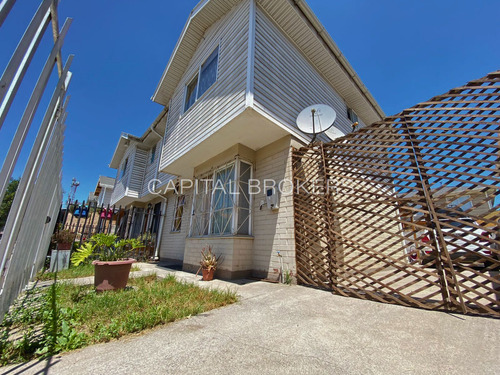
31 219
86 219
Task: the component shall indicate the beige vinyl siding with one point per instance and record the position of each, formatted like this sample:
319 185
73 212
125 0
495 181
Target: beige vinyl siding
285 82
273 230
224 100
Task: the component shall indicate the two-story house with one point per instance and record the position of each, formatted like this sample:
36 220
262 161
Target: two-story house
103 191
241 72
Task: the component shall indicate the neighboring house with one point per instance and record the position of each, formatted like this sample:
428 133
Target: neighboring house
91 199
476 202
238 77
104 190
136 160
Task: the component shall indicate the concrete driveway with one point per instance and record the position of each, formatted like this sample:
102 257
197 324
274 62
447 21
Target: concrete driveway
278 329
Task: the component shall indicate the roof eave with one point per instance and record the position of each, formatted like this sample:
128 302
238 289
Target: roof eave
323 34
154 98
122 145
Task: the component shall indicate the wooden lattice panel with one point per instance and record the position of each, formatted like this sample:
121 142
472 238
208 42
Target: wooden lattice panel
405 211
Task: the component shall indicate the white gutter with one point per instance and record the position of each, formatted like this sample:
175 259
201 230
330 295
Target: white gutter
307 14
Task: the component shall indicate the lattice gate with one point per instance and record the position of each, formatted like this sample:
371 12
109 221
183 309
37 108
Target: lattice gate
406 211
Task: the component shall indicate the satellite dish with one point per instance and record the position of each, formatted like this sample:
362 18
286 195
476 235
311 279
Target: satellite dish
316 119
334 133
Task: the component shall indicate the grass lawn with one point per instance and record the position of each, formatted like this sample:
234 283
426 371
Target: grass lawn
83 270
85 317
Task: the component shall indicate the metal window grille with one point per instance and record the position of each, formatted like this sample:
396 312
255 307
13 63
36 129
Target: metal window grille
222 202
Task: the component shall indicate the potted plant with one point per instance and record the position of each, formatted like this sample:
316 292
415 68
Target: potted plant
149 241
112 265
64 239
59 258
208 263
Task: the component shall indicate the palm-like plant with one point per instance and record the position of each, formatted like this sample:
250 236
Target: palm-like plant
105 247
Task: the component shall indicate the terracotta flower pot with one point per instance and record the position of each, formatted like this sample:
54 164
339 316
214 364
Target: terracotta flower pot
111 275
208 274
63 246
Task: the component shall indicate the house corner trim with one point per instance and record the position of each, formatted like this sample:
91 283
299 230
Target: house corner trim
249 93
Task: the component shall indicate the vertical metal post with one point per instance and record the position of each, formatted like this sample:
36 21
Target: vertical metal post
29 113
5 7
26 184
21 59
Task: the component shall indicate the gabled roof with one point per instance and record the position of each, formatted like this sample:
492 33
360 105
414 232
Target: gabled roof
204 15
149 138
104 181
298 21
120 149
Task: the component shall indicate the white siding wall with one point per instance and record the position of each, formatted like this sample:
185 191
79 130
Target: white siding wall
140 159
105 196
121 182
150 172
285 82
131 183
224 100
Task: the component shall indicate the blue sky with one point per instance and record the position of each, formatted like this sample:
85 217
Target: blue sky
405 52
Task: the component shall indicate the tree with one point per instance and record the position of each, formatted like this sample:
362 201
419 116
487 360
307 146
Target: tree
7 201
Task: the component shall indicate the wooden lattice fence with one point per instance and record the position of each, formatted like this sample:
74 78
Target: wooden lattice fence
406 211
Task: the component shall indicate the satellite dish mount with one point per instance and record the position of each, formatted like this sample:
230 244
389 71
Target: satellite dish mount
316 119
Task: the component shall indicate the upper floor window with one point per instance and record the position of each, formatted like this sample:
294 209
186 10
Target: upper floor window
206 77
124 168
351 115
153 155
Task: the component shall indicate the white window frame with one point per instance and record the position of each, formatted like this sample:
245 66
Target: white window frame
197 75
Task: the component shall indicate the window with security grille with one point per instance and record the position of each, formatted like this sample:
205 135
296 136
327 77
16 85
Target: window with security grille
222 203
179 210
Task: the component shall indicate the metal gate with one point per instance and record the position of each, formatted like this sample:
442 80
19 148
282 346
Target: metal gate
406 211
31 219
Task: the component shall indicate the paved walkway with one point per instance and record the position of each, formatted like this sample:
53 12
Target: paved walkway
278 329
